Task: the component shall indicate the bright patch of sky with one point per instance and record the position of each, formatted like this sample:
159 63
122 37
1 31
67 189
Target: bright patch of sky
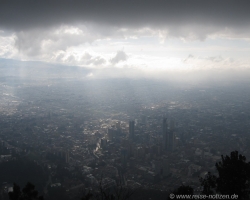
146 49
127 33
174 54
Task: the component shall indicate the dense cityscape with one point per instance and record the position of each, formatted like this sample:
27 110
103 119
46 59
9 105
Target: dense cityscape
140 134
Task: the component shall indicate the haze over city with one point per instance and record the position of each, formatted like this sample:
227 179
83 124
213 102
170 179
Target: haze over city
140 94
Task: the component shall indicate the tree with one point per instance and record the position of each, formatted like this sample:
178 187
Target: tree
28 193
208 184
182 190
16 192
87 196
234 175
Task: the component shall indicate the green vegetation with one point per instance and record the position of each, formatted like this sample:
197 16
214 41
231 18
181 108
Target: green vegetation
233 178
28 193
183 190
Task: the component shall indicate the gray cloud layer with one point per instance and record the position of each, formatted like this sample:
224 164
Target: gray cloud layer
21 15
120 56
47 29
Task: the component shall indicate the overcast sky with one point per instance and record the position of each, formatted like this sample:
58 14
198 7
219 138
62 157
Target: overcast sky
148 35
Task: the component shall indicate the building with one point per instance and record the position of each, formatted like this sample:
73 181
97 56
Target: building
165 134
172 125
112 133
124 157
139 152
132 129
103 143
171 141
66 157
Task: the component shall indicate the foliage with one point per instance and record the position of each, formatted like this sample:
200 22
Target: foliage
208 184
234 175
88 196
28 193
182 190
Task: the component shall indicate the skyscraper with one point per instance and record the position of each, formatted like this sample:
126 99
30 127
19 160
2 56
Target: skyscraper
172 124
165 134
171 136
131 129
124 157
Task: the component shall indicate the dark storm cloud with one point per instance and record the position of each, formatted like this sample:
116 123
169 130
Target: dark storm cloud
21 15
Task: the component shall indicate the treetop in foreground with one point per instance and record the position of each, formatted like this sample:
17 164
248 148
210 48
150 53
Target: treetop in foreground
233 177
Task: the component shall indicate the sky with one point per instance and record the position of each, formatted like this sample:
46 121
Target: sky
152 36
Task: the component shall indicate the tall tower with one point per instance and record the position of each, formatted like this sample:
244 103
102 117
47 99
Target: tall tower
124 157
131 129
66 157
165 133
172 125
172 136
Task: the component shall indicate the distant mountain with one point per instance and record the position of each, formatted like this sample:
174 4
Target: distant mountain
40 70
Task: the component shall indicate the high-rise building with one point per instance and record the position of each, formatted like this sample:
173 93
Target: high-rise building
172 124
124 157
132 129
112 133
171 140
103 143
139 152
168 135
165 134
172 136
66 157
